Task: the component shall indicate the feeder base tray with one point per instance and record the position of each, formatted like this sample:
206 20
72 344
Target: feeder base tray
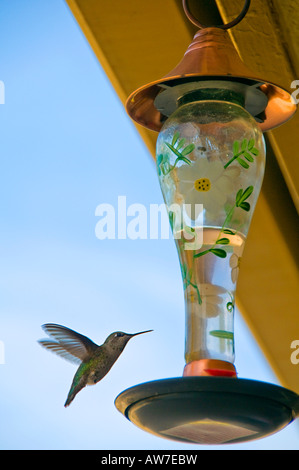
209 410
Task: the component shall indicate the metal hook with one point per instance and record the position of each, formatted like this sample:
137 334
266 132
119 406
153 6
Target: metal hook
223 26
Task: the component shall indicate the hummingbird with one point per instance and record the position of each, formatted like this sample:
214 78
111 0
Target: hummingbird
94 361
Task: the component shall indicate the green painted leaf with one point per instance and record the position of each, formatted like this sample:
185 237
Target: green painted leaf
188 276
222 334
242 196
184 159
218 252
228 232
247 193
248 157
239 195
188 149
245 206
174 150
159 159
244 145
222 241
189 230
242 163
180 155
165 167
175 138
250 144
181 143
230 306
171 219
202 253
236 147
198 296
255 152
184 270
197 293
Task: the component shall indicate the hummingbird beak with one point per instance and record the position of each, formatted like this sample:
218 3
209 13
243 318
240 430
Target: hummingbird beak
141 333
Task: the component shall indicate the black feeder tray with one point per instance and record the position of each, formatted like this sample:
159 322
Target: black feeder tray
209 410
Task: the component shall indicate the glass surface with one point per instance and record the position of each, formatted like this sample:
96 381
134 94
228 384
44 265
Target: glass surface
210 162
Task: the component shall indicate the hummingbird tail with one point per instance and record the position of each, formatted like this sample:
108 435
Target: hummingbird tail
69 399
75 388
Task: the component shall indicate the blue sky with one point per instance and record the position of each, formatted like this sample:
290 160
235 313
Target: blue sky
67 146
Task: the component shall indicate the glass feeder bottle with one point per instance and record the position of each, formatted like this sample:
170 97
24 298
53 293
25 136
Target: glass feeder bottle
210 161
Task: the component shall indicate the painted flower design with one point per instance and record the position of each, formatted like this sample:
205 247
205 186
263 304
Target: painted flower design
211 296
206 183
234 263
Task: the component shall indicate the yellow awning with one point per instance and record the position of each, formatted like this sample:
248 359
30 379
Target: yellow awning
139 41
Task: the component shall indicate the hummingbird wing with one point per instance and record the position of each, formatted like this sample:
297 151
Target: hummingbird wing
55 347
68 343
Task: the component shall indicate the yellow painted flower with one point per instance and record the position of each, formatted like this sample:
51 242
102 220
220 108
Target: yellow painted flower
211 297
206 183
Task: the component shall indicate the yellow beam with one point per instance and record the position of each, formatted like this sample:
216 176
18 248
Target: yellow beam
268 286
139 41
272 31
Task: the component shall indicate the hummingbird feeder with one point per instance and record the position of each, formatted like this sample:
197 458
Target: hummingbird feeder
210 112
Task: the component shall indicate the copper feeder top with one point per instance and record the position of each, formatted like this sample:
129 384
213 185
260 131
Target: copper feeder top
211 61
